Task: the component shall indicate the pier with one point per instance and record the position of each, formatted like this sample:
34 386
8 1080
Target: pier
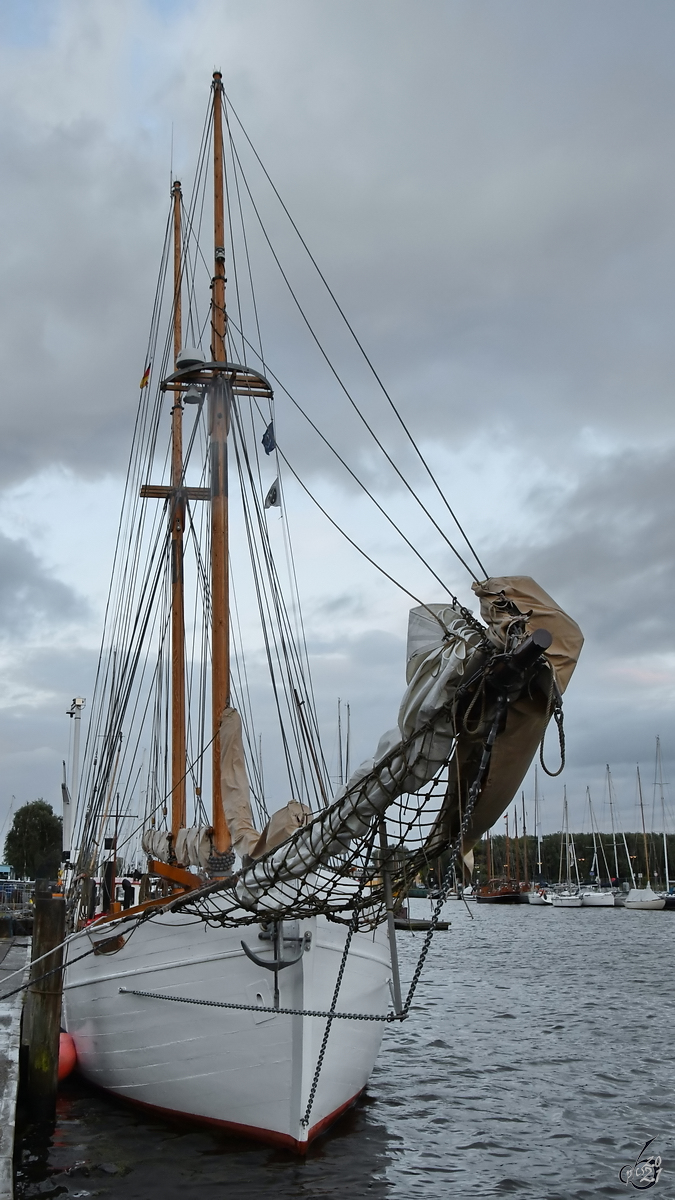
14 956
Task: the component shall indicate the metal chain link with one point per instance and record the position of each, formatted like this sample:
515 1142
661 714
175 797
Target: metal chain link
353 924
387 1018
456 848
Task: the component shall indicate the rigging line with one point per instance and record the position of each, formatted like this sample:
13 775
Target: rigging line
455 604
291 651
228 207
242 681
161 803
275 583
363 552
300 635
344 388
140 412
353 334
267 631
295 592
119 700
265 604
466 613
243 233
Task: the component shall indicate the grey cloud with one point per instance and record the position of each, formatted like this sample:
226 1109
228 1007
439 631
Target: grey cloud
30 596
490 189
606 551
492 203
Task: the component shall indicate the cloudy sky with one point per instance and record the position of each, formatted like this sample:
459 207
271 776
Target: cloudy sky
490 189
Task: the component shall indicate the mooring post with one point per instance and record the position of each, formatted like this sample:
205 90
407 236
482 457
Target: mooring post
42 1012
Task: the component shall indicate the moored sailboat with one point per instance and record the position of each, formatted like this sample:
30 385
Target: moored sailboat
644 898
566 895
597 896
250 985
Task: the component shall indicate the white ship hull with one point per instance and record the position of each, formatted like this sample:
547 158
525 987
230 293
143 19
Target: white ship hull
644 898
564 900
597 899
247 1071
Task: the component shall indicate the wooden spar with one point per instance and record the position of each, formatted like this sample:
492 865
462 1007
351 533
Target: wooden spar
178 734
219 414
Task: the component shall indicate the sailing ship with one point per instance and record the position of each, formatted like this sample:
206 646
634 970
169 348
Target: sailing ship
249 983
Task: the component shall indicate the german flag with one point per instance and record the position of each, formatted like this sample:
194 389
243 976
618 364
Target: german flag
146 376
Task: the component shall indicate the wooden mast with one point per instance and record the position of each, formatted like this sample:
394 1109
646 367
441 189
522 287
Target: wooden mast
219 414
178 737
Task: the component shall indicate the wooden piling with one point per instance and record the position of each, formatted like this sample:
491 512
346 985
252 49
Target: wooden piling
13 974
42 1013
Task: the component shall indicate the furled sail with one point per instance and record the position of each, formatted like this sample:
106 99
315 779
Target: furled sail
445 648
247 841
512 607
193 847
449 660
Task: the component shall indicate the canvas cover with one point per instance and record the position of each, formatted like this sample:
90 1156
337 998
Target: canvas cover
499 596
157 844
234 787
194 846
443 650
247 841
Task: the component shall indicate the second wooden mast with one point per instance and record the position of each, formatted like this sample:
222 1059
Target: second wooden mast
178 725
219 421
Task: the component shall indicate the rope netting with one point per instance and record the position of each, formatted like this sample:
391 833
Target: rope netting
426 788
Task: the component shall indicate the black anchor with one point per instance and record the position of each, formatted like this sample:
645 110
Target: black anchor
277 963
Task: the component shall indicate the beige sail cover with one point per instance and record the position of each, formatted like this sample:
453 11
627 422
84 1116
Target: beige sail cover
157 844
443 650
234 788
247 841
194 846
498 595
527 717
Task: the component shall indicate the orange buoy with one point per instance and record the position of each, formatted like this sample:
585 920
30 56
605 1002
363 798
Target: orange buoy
67 1055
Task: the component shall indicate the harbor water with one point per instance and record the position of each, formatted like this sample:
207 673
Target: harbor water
537 1061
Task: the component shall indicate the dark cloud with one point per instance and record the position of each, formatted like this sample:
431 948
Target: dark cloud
30 596
489 187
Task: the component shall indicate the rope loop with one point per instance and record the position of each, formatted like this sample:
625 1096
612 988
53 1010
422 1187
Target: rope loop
556 706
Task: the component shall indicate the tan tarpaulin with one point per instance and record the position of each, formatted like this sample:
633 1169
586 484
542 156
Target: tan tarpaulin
542 613
157 844
281 825
246 839
194 846
234 785
527 717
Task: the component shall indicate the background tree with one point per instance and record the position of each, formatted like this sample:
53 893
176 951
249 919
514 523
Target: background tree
33 844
